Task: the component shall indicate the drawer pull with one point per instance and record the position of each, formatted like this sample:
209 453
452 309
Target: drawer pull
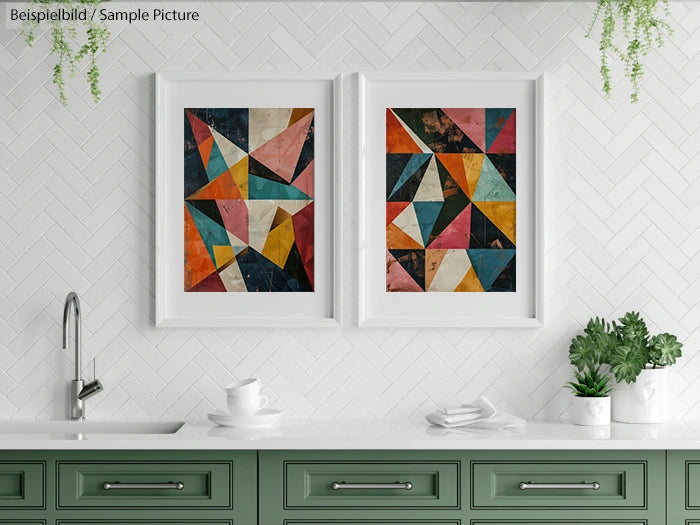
526 485
343 485
116 485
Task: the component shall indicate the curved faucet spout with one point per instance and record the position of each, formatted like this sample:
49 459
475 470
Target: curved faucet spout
79 391
73 301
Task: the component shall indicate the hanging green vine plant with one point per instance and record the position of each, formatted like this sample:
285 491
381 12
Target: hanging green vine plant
68 53
642 28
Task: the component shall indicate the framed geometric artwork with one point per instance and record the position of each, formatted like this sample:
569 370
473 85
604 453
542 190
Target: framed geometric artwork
247 209
451 199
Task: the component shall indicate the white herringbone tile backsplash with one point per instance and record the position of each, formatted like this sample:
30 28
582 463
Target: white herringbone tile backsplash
77 213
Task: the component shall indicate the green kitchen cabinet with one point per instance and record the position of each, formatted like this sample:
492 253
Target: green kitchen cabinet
349 487
110 487
683 478
466 487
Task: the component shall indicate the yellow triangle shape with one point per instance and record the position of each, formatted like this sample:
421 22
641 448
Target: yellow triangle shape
472 169
470 283
239 171
279 243
222 255
501 214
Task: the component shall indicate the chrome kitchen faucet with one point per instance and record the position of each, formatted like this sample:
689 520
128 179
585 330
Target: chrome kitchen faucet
79 391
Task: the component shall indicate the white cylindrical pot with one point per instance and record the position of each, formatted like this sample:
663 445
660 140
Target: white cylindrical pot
591 411
645 400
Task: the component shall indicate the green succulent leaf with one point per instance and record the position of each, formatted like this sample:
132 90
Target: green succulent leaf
627 362
591 383
665 349
583 352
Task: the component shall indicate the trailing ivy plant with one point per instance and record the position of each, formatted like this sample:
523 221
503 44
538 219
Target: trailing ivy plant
642 28
63 44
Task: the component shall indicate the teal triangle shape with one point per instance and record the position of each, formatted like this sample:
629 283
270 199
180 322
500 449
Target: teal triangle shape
217 165
212 233
266 189
495 118
416 161
488 264
426 213
492 186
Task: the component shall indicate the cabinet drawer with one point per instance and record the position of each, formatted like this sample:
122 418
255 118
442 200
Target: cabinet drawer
204 484
311 484
141 522
21 485
498 484
381 522
559 522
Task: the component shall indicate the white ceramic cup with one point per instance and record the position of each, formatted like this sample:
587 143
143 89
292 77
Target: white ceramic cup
245 387
245 405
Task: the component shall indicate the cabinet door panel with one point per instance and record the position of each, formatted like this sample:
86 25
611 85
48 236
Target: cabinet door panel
21 485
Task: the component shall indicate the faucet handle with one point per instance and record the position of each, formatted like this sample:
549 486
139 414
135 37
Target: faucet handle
89 390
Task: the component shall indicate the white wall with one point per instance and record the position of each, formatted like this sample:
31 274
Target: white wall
77 209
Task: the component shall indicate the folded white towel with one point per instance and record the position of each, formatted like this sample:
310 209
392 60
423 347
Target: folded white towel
482 415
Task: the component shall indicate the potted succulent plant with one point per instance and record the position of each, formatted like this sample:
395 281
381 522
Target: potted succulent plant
637 360
639 363
591 404
587 353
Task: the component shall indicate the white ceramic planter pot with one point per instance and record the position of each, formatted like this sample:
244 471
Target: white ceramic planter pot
591 411
645 400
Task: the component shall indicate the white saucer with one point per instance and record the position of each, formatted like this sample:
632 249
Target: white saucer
262 418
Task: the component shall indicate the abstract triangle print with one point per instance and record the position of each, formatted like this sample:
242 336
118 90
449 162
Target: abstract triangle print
248 200
450 199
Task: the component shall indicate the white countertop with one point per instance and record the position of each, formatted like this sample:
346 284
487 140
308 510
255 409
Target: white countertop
310 434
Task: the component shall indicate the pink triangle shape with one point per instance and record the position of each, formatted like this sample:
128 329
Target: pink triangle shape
505 141
305 181
472 121
281 153
235 216
397 278
457 233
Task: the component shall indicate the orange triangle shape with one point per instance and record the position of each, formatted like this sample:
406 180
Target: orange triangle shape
397 239
455 166
397 139
298 114
501 214
505 141
393 209
205 150
470 283
433 258
198 263
223 187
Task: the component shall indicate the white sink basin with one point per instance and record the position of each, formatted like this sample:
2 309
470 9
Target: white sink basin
89 427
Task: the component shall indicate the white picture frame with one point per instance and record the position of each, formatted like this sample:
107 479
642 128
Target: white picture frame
379 91
176 91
